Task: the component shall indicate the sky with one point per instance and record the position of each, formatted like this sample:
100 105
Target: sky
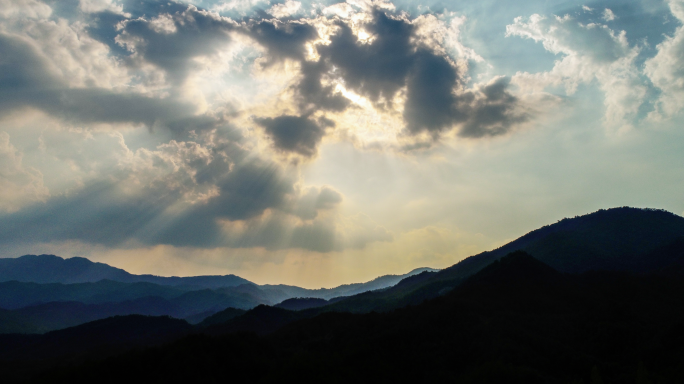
322 143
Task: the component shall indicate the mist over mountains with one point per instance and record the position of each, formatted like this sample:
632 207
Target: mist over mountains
595 297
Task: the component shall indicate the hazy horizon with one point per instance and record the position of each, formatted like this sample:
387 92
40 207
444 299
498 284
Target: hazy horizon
325 143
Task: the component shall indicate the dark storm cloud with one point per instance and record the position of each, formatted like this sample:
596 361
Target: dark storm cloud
430 99
313 94
436 96
378 69
174 40
286 40
297 134
495 113
283 40
432 104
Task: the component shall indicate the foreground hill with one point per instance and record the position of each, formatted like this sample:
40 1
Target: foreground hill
617 239
22 355
516 321
624 239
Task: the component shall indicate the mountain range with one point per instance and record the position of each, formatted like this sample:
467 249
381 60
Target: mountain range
597 298
46 292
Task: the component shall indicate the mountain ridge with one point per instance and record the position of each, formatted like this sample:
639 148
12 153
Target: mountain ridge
47 269
651 241
655 238
517 320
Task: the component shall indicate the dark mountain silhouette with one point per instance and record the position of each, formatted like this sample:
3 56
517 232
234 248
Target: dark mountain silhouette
222 316
510 318
71 302
515 321
63 314
15 295
299 303
54 269
378 283
101 338
45 307
193 306
619 239
45 269
11 322
260 320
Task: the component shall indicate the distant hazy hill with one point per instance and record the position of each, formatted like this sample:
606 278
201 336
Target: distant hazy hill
38 308
45 293
54 269
381 282
45 269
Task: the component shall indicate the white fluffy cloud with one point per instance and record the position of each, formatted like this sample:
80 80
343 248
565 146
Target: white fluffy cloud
608 15
19 184
666 69
588 52
93 6
13 9
70 54
285 9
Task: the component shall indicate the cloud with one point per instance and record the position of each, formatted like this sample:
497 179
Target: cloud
298 134
206 193
240 7
376 70
33 9
206 187
27 80
172 41
589 52
19 184
608 15
311 92
169 66
665 69
288 8
430 98
315 199
96 6
493 110
395 63
282 39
